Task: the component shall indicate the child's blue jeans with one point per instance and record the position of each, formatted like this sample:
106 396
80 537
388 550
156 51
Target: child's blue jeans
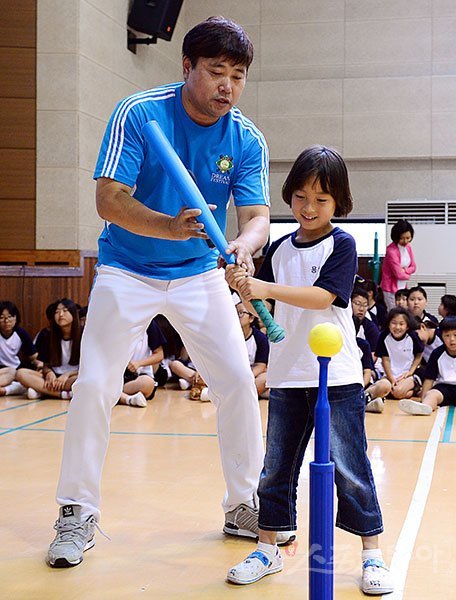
290 425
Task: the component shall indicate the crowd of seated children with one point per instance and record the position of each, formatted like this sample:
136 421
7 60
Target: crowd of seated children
139 377
439 386
16 350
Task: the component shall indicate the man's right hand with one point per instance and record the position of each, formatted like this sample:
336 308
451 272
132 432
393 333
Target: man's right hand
185 226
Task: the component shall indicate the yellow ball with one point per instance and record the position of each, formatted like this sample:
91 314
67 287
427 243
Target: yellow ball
325 339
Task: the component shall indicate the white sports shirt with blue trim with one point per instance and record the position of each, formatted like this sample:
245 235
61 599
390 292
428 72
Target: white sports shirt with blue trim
329 263
228 158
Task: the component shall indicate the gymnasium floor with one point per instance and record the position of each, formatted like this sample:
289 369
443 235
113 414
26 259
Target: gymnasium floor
162 488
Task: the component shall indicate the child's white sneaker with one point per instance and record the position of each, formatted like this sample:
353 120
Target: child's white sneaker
254 567
33 394
377 578
375 406
411 407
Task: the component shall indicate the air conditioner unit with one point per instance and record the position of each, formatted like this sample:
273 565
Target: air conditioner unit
434 243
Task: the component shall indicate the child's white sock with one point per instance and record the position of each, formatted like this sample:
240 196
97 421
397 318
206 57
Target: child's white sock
269 549
66 395
374 553
14 388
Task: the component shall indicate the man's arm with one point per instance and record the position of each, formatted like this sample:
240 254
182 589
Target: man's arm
116 205
253 232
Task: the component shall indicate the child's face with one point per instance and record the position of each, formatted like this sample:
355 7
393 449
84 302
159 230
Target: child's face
449 339
402 301
7 322
442 310
313 209
398 326
245 318
62 315
416 303
359 307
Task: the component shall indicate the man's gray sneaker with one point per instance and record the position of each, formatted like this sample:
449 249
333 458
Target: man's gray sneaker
243 521
74 536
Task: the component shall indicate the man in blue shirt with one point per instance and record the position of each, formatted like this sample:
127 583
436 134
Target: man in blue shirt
154 258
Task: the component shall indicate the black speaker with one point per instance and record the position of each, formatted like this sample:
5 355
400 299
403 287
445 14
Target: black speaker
155 17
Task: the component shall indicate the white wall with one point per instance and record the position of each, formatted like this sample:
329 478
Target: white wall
374 78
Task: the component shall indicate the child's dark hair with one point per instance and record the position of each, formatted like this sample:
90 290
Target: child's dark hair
55 346
402 292
217 36
447 324
400 227
395 312
417 288
359 291
325 165
449 304
12 309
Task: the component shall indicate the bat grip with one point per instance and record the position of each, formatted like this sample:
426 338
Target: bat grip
275 332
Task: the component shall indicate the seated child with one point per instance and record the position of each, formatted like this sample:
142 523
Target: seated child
447 306
400 350
439 387
376 308
368 330
257 347
374 389
401 297
417 302
16 350
139 382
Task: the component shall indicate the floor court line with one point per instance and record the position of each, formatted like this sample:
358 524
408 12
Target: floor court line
12 429
407 538
449 425
20 405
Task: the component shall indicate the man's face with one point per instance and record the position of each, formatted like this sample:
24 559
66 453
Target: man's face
211 88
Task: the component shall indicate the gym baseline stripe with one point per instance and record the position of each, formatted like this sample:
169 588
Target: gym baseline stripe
449 425
407 538
12 429
20 405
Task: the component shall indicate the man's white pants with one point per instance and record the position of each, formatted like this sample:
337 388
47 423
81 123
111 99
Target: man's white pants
200 308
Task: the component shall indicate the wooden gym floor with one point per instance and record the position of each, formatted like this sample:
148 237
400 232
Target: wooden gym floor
162 488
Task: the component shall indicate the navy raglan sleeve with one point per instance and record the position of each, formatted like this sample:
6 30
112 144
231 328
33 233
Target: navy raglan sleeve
155 337
266 273
432 368
338 273
381 349
366 356
418 345
28 347
262 351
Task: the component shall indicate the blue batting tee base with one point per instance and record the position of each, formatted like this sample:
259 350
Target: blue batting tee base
321 531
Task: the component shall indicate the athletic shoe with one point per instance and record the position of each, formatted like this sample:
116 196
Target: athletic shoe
137 399
284 538
375 406
242 521
33 394
184 384
74 537
412 407
376 578
254 567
